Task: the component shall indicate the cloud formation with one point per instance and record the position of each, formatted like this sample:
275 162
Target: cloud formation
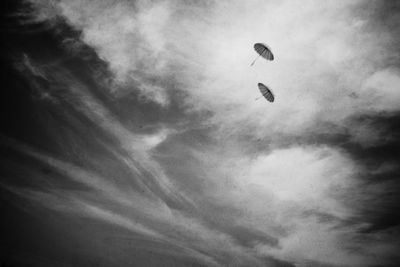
155 129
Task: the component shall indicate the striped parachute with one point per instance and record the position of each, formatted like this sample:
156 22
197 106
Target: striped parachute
266 92
264 51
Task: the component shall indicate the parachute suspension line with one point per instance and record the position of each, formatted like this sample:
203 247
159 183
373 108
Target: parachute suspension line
255 60
256 76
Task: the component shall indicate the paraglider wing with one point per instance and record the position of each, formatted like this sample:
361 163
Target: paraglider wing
264 51
266 92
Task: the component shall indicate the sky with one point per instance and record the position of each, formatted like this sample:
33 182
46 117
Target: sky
130 133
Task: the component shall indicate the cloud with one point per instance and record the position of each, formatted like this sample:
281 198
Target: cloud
133 43
244 186
324 53
314 243
381 91
284 186
308 176
117 219
136 146
301 196
316 66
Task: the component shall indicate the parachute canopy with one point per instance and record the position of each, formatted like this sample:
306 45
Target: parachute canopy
266 92
264 51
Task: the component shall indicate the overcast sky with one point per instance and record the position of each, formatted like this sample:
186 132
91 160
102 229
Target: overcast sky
130 133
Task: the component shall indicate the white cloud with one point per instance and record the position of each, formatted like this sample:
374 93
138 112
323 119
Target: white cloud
125 34
308 176
312 241
381 91
323 54
117 219
299 195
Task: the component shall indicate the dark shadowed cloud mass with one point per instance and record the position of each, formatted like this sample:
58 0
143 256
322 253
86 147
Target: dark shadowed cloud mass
130 133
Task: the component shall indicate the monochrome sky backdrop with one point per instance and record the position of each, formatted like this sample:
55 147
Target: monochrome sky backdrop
131 136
